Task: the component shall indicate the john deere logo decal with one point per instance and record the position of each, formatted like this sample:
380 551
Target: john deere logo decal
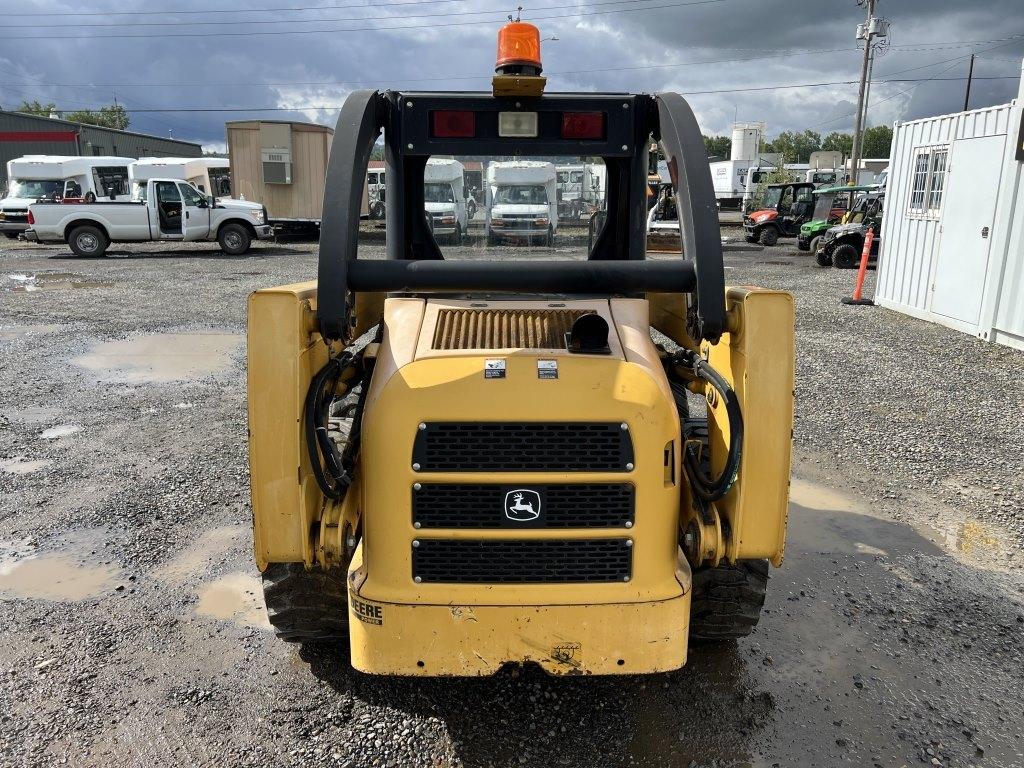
522 505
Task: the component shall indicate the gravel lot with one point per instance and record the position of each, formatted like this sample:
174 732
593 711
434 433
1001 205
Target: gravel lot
133 631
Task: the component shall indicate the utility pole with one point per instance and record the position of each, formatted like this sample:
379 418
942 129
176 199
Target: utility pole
867 33
970 76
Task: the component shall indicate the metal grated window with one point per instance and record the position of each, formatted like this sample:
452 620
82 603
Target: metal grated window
523 447
504 328
561 561
581 505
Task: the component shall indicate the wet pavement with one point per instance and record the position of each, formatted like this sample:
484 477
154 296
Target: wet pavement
134 631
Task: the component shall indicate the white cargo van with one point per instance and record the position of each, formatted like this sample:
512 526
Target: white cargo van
59 178
522 201
444 199
210 175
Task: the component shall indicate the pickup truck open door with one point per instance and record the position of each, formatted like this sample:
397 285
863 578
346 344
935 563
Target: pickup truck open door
195 216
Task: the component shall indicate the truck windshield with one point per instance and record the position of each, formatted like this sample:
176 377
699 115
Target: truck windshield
35 189
436 192
524 194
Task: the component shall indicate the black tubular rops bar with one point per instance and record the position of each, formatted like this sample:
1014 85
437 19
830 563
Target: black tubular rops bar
701 236
571 277
617 263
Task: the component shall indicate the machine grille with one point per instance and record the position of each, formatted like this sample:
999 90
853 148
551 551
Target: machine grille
504 328
581 505
559 561
523 447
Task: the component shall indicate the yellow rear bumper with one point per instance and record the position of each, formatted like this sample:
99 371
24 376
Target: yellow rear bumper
469 640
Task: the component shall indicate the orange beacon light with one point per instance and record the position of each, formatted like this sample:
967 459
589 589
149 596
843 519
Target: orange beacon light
518 49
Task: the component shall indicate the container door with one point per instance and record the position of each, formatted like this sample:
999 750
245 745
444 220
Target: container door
195 217
968 212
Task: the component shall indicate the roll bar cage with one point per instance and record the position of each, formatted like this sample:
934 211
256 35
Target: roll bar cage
617 263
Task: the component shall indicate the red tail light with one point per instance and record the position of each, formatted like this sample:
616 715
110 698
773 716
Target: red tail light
454 123
583 125
31 218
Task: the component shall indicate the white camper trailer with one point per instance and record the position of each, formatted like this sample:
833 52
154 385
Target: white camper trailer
580 189
59 178
444 198
210 175
522 201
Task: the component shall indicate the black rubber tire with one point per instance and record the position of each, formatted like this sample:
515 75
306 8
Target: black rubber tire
492 240
306 605
11 235
377 211
845 256
750 238
88 241
457 237
727 600
234 239
813 245
802 246
769 236
549 239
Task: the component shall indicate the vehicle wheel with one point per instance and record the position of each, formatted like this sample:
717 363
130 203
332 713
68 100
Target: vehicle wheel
471 208
726 601
823 257
549 240
802 246
815 241
769 236
11 235
492 240
377 211
845 255
88 241
234 239
306 605
750 238
457 237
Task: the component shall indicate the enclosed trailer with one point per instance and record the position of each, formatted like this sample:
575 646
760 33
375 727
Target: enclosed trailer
282 165
954 222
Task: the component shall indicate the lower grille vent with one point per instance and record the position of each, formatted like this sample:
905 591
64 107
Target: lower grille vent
504 328
561 561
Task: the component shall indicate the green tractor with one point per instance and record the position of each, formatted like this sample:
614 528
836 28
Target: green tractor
831 204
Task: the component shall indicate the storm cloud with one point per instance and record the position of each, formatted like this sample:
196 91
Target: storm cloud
727 54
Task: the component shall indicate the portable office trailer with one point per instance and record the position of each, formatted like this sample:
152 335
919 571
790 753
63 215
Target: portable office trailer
954 222
282 165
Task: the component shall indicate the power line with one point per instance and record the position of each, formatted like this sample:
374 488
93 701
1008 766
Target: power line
236 10
433 79
276 32
744 89
235 22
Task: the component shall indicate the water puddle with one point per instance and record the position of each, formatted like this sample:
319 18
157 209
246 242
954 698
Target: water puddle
212 546
19 465
814 496
29 282
32 414
62 430
11 332
236 597
163 357
53 576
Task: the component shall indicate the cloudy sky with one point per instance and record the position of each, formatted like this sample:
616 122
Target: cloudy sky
297 59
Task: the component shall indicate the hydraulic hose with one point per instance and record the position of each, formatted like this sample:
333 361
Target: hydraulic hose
706 487
331 468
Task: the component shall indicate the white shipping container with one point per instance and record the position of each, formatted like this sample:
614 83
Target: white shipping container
953 226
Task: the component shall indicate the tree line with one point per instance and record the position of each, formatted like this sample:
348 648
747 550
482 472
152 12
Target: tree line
797 146
112 116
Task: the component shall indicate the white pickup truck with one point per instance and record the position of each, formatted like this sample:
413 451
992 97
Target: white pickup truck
163 209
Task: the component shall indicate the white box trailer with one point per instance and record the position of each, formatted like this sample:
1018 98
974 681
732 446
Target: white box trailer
60 177
953 251
522 201
731 177
444 197
210 175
